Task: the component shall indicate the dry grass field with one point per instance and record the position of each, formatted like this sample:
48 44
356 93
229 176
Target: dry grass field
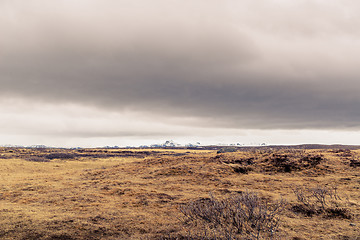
143 194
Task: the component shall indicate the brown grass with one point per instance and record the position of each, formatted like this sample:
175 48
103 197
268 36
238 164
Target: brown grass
137 194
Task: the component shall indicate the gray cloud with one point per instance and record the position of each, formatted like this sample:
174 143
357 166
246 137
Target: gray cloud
235 64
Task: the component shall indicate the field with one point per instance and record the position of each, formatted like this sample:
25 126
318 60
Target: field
146 193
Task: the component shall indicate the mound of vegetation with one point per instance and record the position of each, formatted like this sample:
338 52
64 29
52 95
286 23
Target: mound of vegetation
286 163
278 161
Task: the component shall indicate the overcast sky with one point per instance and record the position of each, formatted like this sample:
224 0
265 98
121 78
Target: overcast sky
131 72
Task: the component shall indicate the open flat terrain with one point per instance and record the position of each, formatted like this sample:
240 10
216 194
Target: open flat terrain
144 193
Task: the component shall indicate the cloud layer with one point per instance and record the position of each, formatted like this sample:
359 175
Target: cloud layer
236 64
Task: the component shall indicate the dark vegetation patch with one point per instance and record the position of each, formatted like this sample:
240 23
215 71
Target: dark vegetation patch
343 152
354 163
45 155
242 169
227 149
60 236
309 212
37 159
272 161
60 155
286 163
4 156
348 157
338 213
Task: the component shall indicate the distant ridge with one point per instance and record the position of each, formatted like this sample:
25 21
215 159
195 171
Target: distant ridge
173 145
305 146
268 147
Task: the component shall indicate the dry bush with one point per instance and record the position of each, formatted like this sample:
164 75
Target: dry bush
319 200
240 216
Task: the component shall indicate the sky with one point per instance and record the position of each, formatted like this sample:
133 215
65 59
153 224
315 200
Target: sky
134 72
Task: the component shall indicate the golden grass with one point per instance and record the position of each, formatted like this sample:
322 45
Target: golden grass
138 197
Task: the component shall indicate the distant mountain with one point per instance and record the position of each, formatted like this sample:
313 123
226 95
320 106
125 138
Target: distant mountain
38 146
20 146
169 143
12 146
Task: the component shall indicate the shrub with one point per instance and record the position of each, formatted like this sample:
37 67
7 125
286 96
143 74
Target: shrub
319 200
240 216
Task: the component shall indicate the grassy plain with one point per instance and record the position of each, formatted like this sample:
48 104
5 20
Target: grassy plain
136 194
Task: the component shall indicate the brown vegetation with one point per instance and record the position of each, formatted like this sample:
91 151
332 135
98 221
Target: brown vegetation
179 194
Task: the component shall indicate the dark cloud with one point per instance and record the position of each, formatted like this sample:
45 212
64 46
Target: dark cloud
231 67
